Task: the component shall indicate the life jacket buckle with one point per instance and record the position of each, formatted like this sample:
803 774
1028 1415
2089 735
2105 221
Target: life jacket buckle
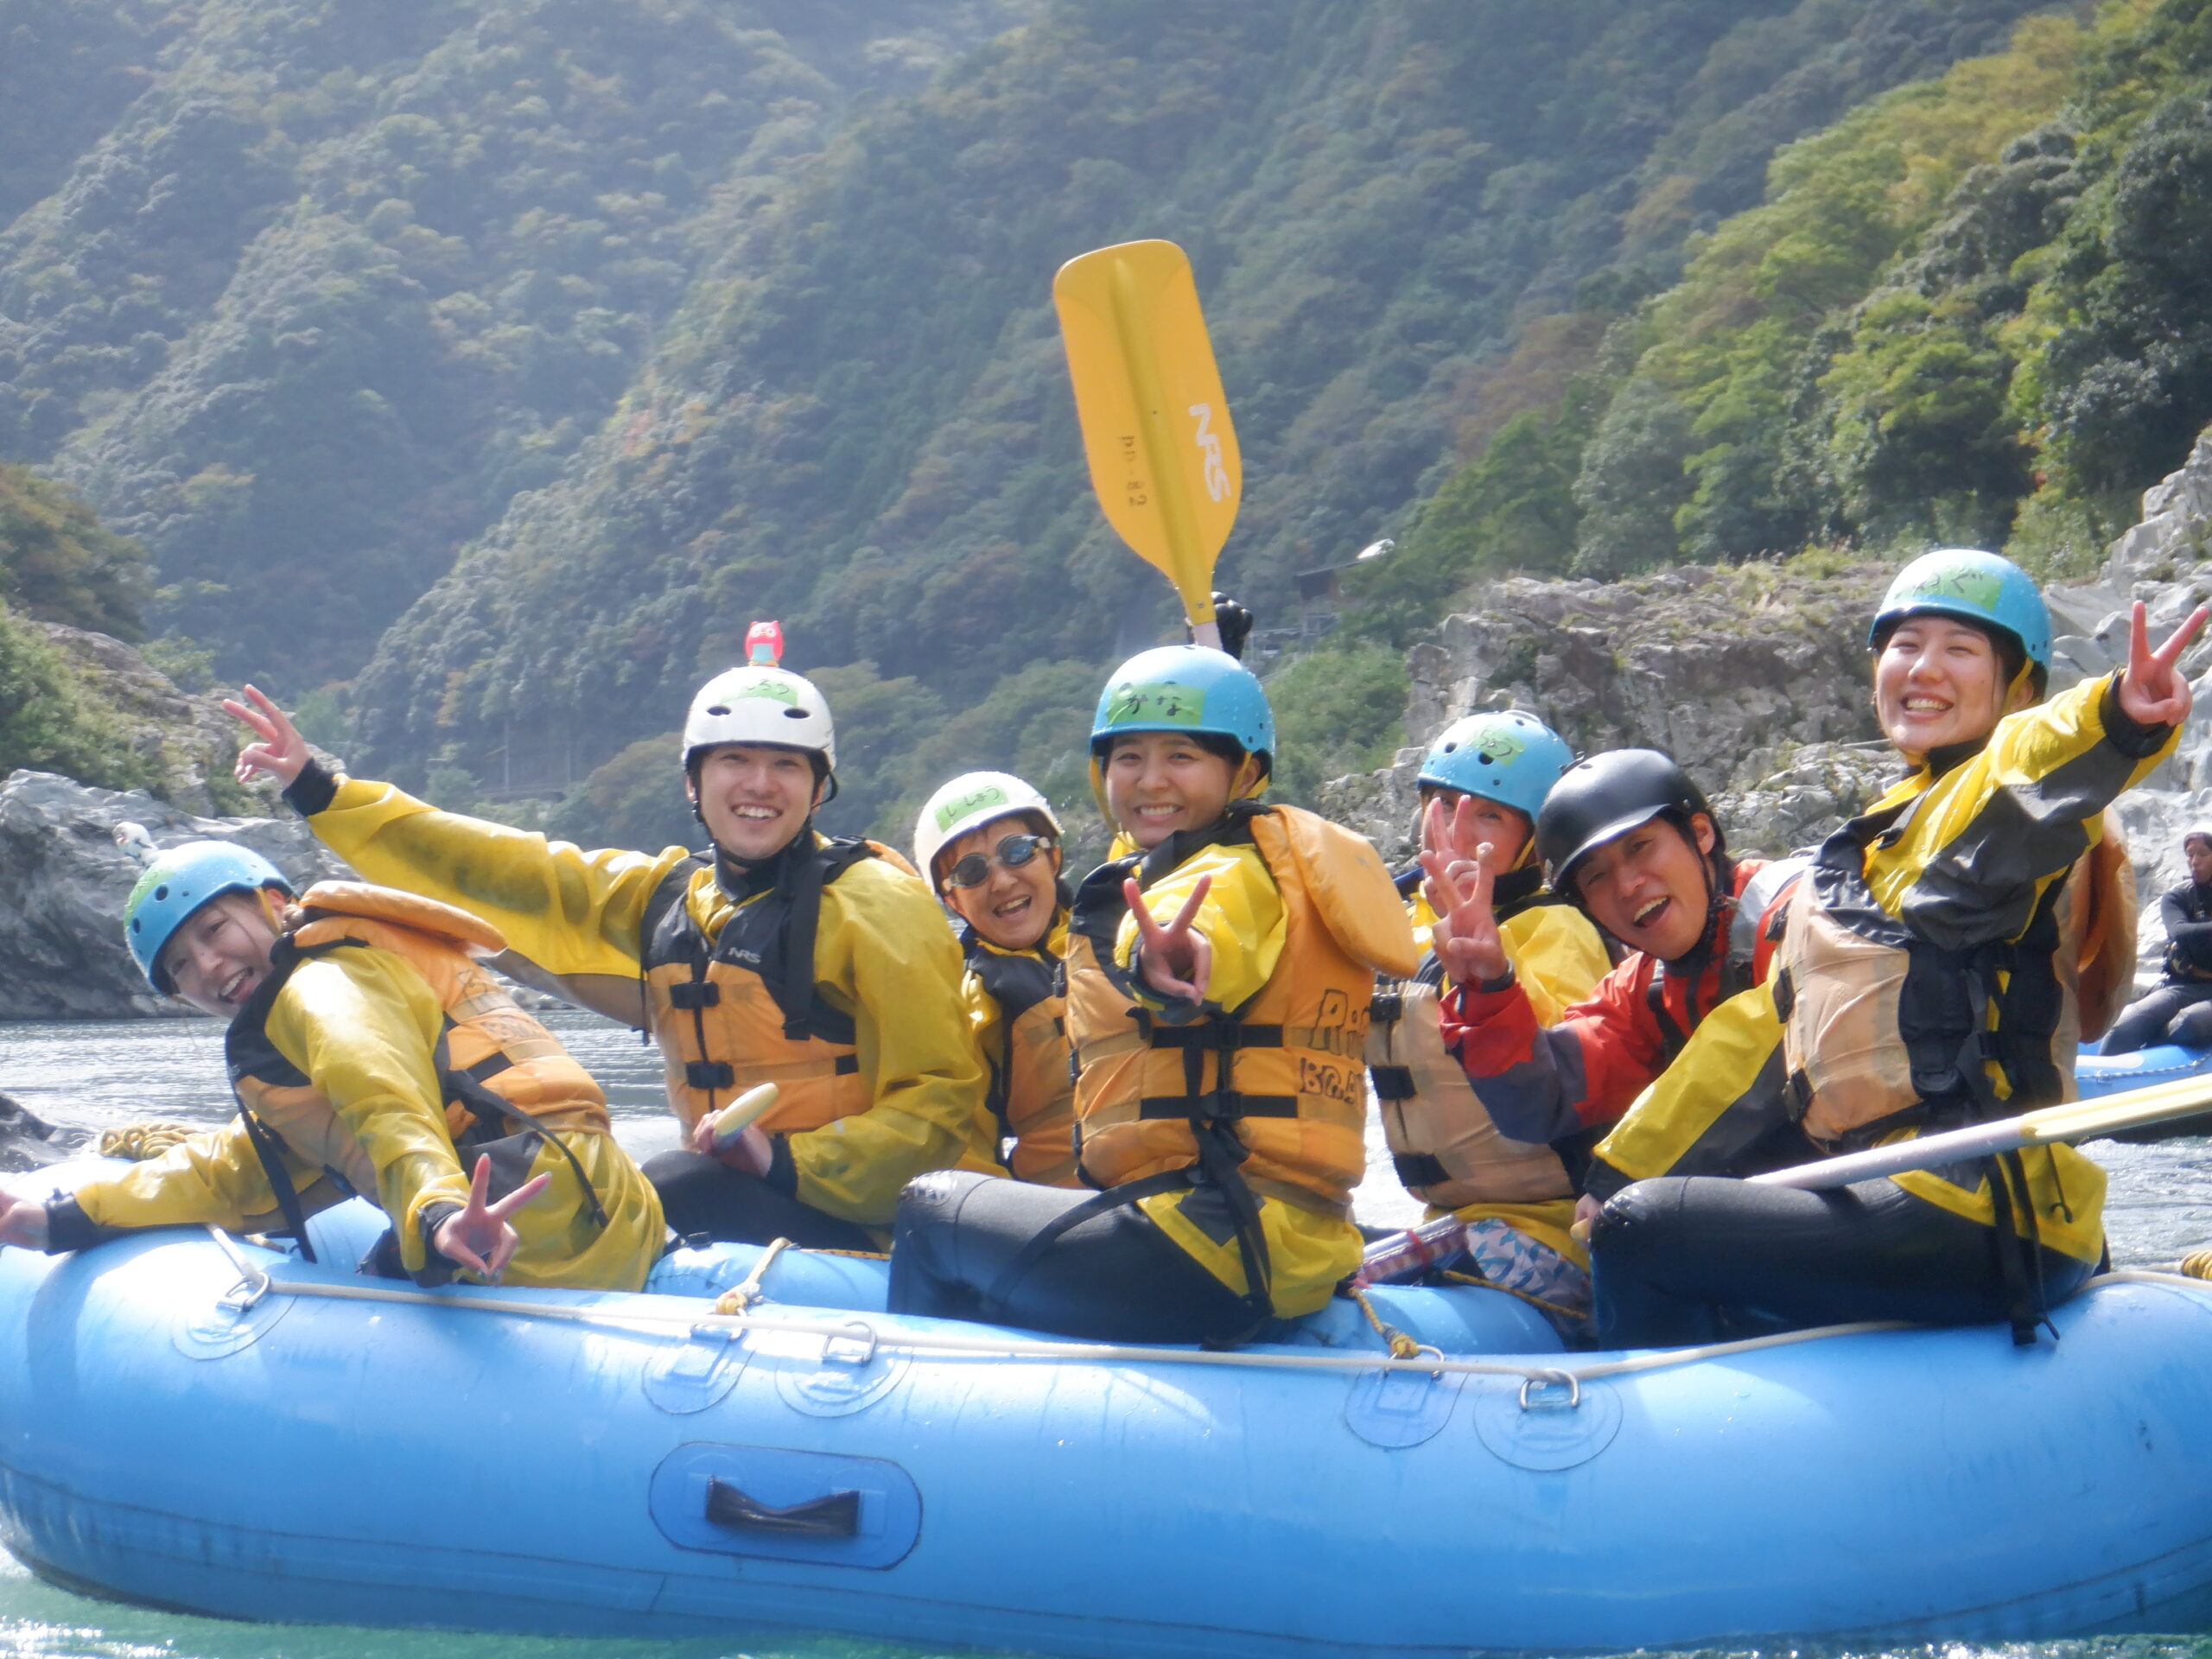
690 995
710 1074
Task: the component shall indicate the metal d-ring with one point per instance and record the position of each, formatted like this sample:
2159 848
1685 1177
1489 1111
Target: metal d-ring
1573 1389
867 1337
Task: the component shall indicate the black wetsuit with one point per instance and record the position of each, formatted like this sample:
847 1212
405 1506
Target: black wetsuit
1113 1277
2180 1010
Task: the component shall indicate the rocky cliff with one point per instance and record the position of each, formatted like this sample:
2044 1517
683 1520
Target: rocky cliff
1755 678
62 883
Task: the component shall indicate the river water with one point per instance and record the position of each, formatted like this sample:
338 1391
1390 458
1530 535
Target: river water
94 1074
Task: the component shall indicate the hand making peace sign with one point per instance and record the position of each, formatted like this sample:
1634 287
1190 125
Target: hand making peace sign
2152 691
1459 891
479 1236
282 752
1175 960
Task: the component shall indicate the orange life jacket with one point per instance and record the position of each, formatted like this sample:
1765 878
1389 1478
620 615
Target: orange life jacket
1268 1100
742 1009
1031 1084
504 1076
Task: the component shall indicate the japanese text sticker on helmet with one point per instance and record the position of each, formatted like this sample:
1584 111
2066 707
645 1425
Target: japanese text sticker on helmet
1975 587
969 802
1511 758
177 883
1186 688
754 705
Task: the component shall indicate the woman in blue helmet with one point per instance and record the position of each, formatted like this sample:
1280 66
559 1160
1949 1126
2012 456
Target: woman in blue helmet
371 1053
1219 974
1941 960
1490 773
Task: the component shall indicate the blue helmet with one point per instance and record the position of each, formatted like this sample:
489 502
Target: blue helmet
1975 587
176 883
1186 688
1511 758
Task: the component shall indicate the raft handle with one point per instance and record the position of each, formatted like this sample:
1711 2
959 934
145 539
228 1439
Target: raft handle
866 1339
835 1515
1546 1379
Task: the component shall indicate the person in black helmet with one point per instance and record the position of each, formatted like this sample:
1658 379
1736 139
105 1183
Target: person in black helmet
1628 838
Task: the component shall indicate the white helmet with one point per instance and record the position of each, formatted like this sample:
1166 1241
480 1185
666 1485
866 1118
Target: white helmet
760 704
969 802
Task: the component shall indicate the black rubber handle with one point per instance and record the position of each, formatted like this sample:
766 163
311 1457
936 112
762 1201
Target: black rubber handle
835 1515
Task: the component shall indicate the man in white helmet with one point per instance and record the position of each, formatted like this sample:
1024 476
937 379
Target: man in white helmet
777 954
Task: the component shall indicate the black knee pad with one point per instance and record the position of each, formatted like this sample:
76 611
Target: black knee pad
1633 1213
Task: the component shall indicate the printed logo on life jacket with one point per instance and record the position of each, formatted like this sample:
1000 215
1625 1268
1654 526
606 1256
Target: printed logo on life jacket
1208 443
974 801
1330 1083
1156 704
1960 580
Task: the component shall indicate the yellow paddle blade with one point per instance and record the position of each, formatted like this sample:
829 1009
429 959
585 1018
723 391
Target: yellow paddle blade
1155 424
2083 1120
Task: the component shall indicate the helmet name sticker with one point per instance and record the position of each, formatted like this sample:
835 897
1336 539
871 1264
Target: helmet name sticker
974 801
1961 581
775 690
1158 703
1495 745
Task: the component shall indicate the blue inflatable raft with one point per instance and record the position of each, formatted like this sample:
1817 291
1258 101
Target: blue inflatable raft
2097 1075
201 1424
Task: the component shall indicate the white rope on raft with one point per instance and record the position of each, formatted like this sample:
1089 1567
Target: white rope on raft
257 1283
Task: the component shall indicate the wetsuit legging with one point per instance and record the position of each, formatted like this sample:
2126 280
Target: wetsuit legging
1697 1259
1114 1277
2174 1013
704 1197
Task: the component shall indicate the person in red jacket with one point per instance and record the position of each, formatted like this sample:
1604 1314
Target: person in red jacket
1630 840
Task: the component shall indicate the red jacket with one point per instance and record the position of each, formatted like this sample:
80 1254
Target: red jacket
1584 1072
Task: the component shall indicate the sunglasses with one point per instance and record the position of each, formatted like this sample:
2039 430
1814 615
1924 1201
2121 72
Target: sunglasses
1014 851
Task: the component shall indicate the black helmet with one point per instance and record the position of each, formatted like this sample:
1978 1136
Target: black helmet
1604 798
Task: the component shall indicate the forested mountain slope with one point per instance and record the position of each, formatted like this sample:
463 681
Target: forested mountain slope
1975 310
858 420
301 291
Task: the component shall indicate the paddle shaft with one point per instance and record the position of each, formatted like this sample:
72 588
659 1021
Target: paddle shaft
2077 1121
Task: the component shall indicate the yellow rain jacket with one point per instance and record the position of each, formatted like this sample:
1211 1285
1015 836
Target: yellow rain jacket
1299 915
1442 1143
1017 1013
376 1044
2006 846
883 960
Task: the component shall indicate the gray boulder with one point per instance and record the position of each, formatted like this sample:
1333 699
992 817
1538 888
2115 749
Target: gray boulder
63 880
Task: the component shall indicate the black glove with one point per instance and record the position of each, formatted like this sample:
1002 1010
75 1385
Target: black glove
1234 623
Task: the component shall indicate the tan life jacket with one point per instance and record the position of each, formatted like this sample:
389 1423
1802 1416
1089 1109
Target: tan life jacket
1031 1086
499 1070
1276 1087
742 1009
1445 1149
1882 1030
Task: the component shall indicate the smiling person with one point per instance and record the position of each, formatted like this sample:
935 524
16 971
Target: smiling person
1629 840
990 845
1219 976
371 1053
1482 782
1940 964
778 955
